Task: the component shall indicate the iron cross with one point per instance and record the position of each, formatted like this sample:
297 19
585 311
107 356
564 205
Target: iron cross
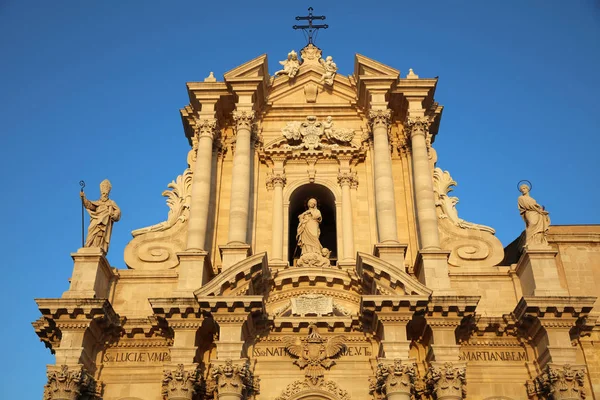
310 29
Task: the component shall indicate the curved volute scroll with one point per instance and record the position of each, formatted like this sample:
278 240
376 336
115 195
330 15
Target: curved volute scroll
470 244
155 247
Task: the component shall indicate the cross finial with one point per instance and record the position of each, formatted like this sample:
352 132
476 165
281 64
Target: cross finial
310 29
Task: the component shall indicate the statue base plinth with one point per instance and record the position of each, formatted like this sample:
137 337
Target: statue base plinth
91 275
233 253
276 265
538 272
394 253
194 271
431 268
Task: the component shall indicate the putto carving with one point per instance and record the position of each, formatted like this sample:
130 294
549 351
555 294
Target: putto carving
315 353
312 134
536 219
243 119
206 127
561 382
233 379
291 65
296 389
103 214
447 381
180 384
329 70
276 179
66 383
394 377
380 118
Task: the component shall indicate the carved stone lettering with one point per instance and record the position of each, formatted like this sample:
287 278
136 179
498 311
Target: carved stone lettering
312 305
137 357
494 355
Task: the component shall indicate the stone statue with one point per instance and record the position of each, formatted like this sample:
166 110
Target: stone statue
536 219
330 70
313 253
290 66
103 213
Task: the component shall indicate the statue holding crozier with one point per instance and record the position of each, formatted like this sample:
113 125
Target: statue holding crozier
103 213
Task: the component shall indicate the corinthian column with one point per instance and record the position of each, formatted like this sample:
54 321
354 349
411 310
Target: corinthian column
418 128
205 130
181 384
240 182
385 203
275 182
396 380
346 179
232 380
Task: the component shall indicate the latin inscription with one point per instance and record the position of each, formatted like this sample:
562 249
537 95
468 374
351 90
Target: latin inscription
137 357
486 355
349 351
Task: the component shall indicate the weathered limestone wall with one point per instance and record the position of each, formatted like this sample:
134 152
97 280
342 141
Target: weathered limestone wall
130 293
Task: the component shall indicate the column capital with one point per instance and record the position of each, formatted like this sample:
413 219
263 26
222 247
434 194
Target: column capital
243 119
232 379
418 125
206 127
347 179
181 383
380 118
447 381
69 383
394 377
276 179
562 382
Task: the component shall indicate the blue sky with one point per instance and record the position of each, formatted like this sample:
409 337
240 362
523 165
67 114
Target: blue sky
92 90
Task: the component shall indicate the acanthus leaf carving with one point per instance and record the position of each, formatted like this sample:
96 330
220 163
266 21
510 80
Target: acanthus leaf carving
207 127
559 382
243 119
447 380
180 383
70 383
232 379
396 377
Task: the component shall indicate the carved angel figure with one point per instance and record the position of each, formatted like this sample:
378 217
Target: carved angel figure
341 135
536 219
315 354
330 69
291 66
103 214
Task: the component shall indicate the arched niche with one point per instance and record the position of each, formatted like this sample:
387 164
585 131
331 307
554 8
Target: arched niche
326 202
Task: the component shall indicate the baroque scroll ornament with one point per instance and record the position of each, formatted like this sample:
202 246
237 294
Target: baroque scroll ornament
315 353
314 135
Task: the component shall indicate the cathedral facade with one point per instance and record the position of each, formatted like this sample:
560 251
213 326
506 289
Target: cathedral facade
312 251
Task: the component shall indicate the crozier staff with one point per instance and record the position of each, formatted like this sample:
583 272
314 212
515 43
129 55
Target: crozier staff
308 231
103 213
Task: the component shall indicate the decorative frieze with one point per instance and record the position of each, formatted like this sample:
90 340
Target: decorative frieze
447 382
396 377
69 383
180 384
564 382
232 379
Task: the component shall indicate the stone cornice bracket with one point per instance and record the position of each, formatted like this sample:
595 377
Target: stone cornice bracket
559 382
395 377
232 379
207 127
243 119
70 383
447 381
275 179
181 383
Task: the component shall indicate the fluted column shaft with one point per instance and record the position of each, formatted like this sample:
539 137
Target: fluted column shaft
385 203
196 238
276 182
423 184
240 182
345 180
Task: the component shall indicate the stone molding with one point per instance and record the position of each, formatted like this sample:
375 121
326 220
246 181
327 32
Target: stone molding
70 383
206 127
394 377
447 381
180 383
559 382
233 379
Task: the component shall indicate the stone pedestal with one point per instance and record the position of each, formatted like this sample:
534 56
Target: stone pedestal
394 253
431 268
538 272
91 274
194 270
233 253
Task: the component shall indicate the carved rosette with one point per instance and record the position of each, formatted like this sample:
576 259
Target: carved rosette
392 378
69 383
232 379
276 179
180 384
347 179
243 119
447 381
380 119
207 127
564 382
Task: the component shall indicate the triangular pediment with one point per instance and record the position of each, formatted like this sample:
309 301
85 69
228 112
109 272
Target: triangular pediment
257 67
367 66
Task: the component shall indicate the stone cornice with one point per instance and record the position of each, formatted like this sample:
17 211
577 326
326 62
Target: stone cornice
78 309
